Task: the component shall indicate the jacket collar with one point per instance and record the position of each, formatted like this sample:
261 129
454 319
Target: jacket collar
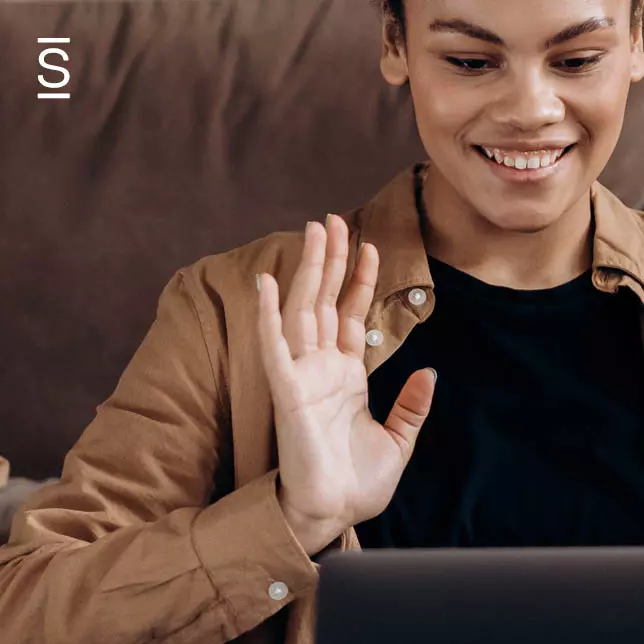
619 235
391 222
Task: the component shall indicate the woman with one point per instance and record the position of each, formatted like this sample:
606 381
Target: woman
252 432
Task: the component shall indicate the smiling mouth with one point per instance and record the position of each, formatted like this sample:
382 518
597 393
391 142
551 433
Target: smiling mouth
523 161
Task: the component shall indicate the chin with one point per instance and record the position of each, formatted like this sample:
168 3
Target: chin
523 221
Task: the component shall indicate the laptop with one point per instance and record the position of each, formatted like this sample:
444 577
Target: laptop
482 596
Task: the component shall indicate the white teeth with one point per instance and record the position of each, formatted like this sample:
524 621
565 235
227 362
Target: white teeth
524 160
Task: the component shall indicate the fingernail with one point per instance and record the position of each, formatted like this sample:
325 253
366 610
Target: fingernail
258 279
435 374
328 219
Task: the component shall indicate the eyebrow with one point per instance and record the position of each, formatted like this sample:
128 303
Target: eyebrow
480 33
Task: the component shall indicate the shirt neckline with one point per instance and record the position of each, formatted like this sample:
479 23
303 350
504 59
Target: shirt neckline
448 278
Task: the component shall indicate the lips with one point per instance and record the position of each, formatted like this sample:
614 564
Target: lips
522 159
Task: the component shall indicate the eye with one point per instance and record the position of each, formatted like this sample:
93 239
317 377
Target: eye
471 65
578 63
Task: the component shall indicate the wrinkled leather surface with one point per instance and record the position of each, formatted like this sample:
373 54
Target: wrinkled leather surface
194 127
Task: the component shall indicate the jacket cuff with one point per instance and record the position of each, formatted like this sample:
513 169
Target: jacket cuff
253 559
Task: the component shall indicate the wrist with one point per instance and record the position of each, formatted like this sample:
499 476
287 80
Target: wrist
312 534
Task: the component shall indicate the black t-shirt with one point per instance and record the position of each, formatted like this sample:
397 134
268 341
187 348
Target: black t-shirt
536 432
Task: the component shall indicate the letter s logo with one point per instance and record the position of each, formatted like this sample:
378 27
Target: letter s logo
43 63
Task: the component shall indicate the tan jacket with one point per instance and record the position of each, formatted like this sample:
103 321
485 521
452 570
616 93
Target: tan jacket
128 547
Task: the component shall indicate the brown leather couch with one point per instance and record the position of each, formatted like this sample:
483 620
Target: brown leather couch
192 127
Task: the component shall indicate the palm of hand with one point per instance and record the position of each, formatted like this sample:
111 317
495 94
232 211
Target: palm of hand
336 462
332 444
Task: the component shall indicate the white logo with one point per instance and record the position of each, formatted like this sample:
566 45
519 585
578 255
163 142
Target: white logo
63 70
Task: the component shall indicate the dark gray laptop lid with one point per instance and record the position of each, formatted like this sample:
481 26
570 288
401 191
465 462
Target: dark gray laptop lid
515 596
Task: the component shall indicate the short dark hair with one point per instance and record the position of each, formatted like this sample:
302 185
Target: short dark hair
394 12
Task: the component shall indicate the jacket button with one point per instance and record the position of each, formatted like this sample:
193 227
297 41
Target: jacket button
375 338
417 297
277 590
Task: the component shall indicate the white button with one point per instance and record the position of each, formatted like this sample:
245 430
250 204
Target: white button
278 590
375 338
417 296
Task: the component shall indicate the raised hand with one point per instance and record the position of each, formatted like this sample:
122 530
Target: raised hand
338 466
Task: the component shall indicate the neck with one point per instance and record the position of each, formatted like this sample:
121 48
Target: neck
458 235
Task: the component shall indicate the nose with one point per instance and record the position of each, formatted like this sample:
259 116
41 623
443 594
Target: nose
528 101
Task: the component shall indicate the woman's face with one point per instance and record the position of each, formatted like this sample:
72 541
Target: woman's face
539 86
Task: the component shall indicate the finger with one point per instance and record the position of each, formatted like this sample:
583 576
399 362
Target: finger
356 302
275 352
299 321
411 409
335 268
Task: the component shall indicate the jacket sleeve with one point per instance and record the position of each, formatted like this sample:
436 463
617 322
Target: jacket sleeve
125 548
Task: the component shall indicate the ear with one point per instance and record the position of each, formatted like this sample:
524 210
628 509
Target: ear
393 56
637 54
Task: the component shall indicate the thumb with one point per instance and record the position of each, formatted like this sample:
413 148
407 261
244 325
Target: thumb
411 409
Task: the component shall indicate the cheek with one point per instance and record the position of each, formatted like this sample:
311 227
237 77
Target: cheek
443 105
601 113
603 122
442 115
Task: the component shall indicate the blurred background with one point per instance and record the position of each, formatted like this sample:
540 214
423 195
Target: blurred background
193 126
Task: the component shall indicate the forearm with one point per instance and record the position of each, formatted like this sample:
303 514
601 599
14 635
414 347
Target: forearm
196 572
